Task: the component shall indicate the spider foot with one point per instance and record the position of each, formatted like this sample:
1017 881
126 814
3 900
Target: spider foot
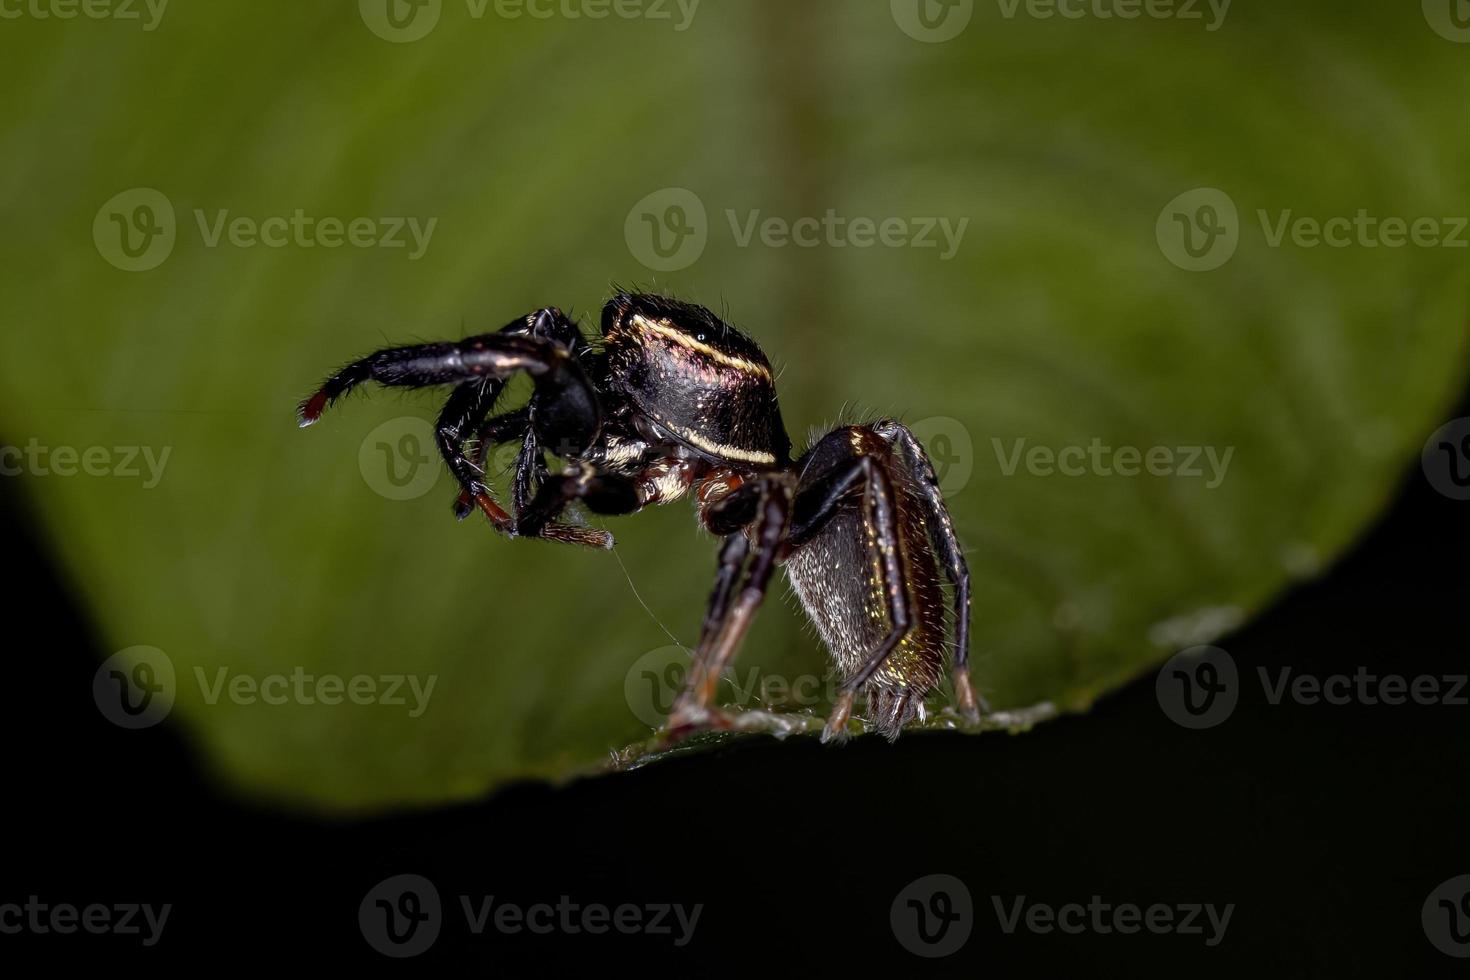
578 534
464 505
835 731
967 703
687 720
501 521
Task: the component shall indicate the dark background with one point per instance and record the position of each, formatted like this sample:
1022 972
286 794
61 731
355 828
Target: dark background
1326 826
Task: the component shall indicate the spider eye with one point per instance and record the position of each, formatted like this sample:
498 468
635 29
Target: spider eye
699 337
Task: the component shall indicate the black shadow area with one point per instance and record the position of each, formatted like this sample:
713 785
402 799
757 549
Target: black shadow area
1324 828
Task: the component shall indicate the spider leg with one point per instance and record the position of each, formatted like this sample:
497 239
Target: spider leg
941 533
602 493
766 505
732 559
466 408
501 428
529 461
604 488
530 471
568 416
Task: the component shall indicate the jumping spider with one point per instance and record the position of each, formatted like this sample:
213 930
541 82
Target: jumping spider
673 399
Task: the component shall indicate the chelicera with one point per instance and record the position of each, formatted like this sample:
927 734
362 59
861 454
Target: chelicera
673 399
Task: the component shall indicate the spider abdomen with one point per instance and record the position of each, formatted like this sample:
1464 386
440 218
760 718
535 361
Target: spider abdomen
838 578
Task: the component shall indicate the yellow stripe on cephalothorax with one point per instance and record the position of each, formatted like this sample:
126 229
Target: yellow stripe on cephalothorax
665 329
720 449
717 448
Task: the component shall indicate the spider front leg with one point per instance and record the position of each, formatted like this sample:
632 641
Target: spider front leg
602 492
530 469
500 429
466 408
568 417
754 519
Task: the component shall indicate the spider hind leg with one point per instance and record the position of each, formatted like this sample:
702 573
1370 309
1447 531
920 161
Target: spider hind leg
868 574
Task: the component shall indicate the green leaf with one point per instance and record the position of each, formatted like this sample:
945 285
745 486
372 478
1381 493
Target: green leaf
1059 319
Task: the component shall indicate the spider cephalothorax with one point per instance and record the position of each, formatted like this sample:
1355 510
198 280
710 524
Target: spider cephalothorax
674 399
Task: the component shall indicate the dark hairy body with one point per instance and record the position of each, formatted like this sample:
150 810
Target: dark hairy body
675 400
